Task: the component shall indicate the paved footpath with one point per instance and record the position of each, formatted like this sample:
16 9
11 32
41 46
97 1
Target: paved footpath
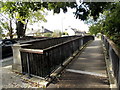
88 70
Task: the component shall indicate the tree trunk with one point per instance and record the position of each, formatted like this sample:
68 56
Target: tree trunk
11 30
25 27
21 28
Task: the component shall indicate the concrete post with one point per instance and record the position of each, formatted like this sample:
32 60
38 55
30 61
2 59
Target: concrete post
16 57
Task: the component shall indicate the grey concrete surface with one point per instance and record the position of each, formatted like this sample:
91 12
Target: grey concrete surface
11 79
88 70
7 61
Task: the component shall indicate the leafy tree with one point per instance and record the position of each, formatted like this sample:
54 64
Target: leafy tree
23 12
8 26
97 27
91 9
93 30
110 24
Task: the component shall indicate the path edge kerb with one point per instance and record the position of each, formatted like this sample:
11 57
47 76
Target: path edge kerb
66 63
110 75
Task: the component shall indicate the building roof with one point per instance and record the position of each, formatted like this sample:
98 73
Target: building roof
47 31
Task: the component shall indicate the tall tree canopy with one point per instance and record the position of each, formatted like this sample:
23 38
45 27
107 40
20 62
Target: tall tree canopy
23 12
110 25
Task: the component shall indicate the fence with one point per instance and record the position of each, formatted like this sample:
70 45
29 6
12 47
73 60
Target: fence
43 61
47 42
26 38
114 57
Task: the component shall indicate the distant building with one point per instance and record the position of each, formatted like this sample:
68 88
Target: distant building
46 31
70 31
33 32
78 32
74 31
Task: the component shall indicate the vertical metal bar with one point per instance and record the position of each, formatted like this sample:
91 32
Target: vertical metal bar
28 65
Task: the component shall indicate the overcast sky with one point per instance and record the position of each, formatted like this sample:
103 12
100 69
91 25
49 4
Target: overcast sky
62 21
59 21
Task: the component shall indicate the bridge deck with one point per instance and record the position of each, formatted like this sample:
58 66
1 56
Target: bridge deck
88 70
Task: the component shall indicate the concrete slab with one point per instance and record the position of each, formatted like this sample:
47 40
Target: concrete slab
6 61
14 80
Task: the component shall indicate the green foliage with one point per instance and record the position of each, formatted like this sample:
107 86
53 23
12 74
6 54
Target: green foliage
24 9
0 31
4 25
7 26
91 9
96 28
112 23
47 34
93 30
23 12
56 33
109 26
56 6
34 11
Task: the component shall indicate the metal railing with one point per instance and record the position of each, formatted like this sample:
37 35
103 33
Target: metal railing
42 62
114 57
47 42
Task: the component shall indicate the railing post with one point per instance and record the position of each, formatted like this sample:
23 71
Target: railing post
110 57
82 41
28 65
17 57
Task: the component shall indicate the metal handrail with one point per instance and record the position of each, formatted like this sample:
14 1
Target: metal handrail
38 51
